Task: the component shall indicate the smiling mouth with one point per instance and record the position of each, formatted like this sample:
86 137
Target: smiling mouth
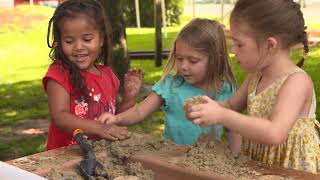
80 58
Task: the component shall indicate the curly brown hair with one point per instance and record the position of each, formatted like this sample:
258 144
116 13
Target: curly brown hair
69 10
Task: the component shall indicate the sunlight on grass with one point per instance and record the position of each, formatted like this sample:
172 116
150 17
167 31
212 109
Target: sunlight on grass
23 49
151 73
312 23
154 125
10 114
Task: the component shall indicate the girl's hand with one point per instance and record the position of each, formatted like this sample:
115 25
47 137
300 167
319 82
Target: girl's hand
133 82
106 118
205 114
113 132
109 119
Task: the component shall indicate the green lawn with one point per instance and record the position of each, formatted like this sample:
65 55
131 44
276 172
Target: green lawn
24 60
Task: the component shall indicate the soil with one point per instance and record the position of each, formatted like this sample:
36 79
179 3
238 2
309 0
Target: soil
24 128
31 127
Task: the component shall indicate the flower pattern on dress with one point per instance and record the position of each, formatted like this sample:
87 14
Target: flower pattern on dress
301 150
112 106
81 108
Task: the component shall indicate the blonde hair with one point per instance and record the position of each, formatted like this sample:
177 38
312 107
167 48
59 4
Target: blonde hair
206 36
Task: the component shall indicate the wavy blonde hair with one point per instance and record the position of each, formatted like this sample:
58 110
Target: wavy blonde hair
206 36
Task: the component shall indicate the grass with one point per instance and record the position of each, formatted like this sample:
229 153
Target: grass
18 147
24 60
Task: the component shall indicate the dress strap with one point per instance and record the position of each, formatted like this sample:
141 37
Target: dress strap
313 107
253 84
295 70
284 77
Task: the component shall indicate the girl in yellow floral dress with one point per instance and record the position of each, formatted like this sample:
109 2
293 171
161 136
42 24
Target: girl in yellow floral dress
280 127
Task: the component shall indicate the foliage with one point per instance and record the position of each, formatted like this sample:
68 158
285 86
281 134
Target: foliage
174 9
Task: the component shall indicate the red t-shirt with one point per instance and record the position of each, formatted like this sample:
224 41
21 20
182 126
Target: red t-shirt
102 98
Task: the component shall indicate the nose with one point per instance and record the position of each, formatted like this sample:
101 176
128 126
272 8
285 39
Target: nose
78 45
184 65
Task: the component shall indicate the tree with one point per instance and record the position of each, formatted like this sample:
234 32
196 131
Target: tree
120 56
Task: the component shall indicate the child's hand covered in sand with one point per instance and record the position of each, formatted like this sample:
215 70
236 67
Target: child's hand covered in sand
133 82
205 114
113 132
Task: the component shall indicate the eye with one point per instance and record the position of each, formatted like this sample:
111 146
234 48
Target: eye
179 58
68 41
193 60
87 39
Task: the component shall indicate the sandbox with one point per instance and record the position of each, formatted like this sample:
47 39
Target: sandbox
145 157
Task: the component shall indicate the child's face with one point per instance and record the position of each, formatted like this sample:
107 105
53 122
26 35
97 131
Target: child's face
81 41
191 64
245 48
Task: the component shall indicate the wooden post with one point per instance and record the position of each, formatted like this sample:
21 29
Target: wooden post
193 9
138 15
158 38
164 22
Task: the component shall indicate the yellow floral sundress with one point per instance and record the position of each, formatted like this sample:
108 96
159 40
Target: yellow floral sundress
301 151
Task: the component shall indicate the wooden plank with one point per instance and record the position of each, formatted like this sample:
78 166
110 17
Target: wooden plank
68 158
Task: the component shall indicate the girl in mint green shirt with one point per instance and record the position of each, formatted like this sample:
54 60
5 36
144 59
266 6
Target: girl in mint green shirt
198 65
174 92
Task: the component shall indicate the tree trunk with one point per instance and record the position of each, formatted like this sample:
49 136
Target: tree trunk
120 58
158 35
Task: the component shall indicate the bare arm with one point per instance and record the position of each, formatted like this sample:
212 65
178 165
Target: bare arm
58 100
126 103
285 112
140 111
